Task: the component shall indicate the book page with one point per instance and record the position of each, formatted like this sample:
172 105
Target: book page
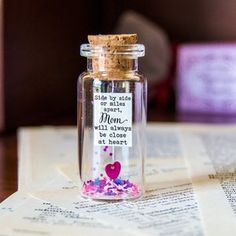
211 154
165 164
14 201
40 150
168 208
160 212
38 217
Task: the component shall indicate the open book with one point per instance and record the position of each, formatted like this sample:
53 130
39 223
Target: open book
190 186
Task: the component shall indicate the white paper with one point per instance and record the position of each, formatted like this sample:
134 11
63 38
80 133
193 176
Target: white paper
211 154
162 212
40 150
165 164
112 119
37 216
14 201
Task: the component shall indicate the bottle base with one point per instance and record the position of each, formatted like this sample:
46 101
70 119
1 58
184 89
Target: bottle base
113 198
109 189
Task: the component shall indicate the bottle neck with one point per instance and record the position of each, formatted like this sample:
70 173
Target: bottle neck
112 64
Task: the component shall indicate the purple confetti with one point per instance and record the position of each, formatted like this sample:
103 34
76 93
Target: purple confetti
104 186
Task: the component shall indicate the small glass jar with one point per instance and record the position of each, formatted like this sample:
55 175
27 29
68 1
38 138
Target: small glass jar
111 122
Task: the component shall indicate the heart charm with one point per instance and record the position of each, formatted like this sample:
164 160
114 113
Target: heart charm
113 170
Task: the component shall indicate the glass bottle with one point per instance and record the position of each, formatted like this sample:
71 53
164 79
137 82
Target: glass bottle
111 122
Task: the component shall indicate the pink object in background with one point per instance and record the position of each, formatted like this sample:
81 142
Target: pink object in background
206 78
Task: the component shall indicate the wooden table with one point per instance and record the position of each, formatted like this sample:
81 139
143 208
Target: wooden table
8 165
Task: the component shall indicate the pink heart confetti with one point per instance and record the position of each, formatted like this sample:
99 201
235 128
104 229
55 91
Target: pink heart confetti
113 170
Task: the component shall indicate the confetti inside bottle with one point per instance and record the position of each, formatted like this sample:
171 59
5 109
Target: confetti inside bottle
112 118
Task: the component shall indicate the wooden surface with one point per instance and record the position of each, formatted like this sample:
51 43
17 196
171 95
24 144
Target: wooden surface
183 20
8 165
1 69
41 44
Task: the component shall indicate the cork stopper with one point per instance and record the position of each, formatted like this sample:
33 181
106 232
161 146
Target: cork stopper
112 46
113 39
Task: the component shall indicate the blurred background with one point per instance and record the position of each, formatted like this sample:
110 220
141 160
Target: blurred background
40 60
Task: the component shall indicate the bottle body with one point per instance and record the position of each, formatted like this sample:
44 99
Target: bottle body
111 126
